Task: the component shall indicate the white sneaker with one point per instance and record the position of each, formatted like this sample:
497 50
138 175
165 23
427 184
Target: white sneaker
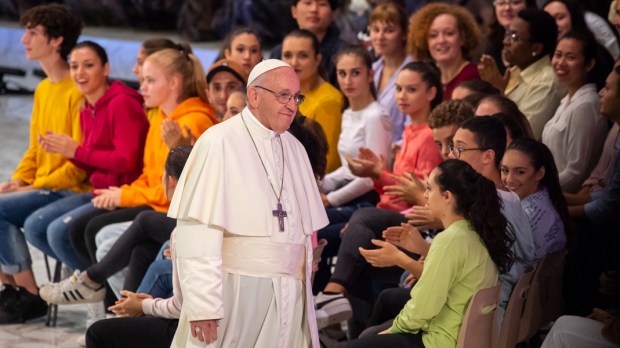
331 309
71 290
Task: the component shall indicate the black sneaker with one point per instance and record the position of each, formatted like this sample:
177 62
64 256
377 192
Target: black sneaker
19 305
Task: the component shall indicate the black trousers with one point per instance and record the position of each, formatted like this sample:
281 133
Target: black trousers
147 332
354 273
135 248
83 231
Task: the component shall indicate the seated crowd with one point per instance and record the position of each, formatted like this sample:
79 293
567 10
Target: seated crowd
445 166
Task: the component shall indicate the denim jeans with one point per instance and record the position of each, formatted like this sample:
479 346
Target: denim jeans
105 239
15 207
157 281
47 228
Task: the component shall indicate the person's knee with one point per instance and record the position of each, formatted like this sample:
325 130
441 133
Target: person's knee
35 230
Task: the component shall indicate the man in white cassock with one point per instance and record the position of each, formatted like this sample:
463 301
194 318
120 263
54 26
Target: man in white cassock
246 205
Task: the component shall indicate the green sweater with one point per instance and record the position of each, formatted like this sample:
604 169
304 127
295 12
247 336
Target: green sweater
457 266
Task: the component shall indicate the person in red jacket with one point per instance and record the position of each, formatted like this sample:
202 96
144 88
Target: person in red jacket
114 128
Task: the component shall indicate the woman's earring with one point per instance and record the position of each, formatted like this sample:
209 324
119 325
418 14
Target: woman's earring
533 54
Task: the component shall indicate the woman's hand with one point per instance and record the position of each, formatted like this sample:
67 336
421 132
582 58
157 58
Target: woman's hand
130 305
204 330
173 136
108 199
59 143
367 164
411 189
386 256
12 185
423 219
406 237
489 72
325 200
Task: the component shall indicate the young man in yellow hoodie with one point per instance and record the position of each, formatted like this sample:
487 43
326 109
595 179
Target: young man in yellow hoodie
41 178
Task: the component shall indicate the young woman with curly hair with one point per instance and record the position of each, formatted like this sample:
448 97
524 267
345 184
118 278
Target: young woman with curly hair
448 35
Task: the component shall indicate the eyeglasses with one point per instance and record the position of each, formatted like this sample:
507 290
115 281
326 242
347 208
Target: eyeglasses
511 3
284 98
456 151
512 37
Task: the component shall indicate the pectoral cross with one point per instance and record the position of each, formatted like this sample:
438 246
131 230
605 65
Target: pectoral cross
280 214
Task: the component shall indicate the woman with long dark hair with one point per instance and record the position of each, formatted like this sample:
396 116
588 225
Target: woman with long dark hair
528 169
467 256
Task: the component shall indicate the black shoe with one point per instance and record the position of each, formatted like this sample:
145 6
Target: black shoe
19 305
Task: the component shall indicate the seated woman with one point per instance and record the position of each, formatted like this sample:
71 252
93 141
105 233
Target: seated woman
174 82
577 130
467 256
448 35
114 128
529 41
365 123
529 171
324 103
418 91
387 27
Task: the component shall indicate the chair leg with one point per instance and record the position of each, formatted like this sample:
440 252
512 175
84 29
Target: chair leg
52 310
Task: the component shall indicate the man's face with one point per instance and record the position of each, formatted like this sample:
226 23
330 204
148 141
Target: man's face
464 140
37 43
443 137
313 15
269 111
221 86
610 97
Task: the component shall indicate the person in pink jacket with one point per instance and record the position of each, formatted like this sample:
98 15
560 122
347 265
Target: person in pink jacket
114 128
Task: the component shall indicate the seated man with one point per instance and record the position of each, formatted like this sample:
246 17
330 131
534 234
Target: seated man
596 248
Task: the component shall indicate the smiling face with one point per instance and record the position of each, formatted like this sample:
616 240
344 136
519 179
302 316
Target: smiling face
313 15
354 77
38 44
444 40
519 175
569 63
245 50
221 86
508 10
88 73
387 39
299 53
413 94
264 105
560 13
155 87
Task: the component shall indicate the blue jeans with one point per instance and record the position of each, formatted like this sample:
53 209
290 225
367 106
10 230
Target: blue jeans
15 207
47 229
157 281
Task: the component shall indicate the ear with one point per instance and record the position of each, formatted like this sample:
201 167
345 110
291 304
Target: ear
294 11
175 83
538 49
252 100
207 93
172 183
488 156
227 53
56 42
431 93
540 173
319 58
448 198
106 69
371 76
590 65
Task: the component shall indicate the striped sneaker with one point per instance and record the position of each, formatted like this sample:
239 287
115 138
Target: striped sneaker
72 290
331 309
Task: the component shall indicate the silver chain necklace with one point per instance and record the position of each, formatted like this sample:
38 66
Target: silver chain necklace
278 212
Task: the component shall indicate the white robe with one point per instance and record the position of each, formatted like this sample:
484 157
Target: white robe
263 298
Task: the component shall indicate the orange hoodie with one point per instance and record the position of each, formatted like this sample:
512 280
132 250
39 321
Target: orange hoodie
148 189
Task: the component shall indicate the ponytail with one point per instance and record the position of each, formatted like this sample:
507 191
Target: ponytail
182 61
479 203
